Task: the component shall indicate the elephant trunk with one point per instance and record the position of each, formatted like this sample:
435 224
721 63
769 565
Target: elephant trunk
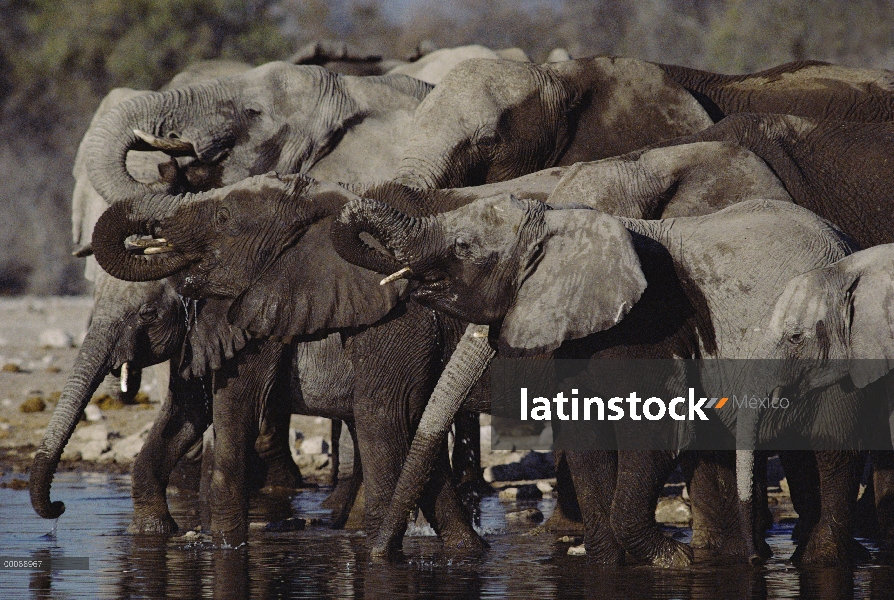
128 126
93 363
402 236
124 219
465 367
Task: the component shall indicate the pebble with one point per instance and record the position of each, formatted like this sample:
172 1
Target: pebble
55 338
673 510
93 413
532 515
522 492
577 551
569 539
33 404
314 445
544 487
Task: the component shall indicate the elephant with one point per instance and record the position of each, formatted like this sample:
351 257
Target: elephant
536 277
396 349
494 120
294 118
830 344
435 65
143 324
816 161
808 88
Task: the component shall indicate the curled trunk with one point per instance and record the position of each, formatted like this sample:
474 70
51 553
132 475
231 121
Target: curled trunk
93 363
121 221
401 235
465 367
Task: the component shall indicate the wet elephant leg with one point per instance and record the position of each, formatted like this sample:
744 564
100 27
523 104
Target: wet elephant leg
344 496
641 475
445 513
180 424
803 479
595 473
831 541
566 517
272 445
883 480
241 388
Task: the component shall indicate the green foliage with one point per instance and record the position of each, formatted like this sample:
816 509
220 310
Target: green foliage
71 52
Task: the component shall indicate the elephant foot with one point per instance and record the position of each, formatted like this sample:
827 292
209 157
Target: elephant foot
230 539
387 549
466 545
830 546
607 553
672 555
153 525
284 473
559 523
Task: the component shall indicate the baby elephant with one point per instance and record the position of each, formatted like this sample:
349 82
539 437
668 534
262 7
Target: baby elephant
832 335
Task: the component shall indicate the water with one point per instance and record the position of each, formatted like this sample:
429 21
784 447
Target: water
318 562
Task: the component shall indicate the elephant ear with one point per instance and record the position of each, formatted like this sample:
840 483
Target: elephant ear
585 278
211 339
869 311
310 289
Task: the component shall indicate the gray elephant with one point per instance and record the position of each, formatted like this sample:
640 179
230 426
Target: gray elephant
494 120
808 88
536 277
831 348
292 118
396 350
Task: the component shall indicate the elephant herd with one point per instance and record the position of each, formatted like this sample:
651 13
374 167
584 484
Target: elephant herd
597 208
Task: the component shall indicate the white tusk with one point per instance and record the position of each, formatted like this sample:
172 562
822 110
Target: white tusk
158 250
124 378
165 144
396 276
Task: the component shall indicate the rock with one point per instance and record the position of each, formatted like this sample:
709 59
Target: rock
488 474
91 441
558 55
673 510
533 465
522 492
292 524
577 551
93 450
93 413
11 368
107 402
569 539
314 445
531 515
544 487
55 338
126 449
33 404
488 438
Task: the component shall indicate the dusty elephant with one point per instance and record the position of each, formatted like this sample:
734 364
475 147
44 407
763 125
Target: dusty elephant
509 264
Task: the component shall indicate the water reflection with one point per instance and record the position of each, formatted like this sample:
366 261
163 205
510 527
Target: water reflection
318 562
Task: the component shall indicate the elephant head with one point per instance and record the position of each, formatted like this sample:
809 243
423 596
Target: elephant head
263 242
530 272
276 116
494 120
138 324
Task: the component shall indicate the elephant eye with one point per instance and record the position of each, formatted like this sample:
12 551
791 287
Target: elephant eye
148 312
222 216
796 337
461 247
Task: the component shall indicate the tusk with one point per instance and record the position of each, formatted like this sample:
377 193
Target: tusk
166 145
395 276
124 378
147 242
158 250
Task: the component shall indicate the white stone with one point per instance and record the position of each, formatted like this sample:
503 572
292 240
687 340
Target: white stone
488 475
93 413
314 445
93 449
673 510
126 449
91 433
544 487
577 551
55 338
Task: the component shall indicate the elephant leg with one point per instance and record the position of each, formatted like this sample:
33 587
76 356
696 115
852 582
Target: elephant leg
343 497
466 459
272 447
180 424
716 524
802 475
595 473
883 480
641 475
241 389
566 517
445 513
831 541
335 452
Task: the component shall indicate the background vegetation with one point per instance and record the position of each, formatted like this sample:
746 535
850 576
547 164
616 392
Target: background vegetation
58 58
